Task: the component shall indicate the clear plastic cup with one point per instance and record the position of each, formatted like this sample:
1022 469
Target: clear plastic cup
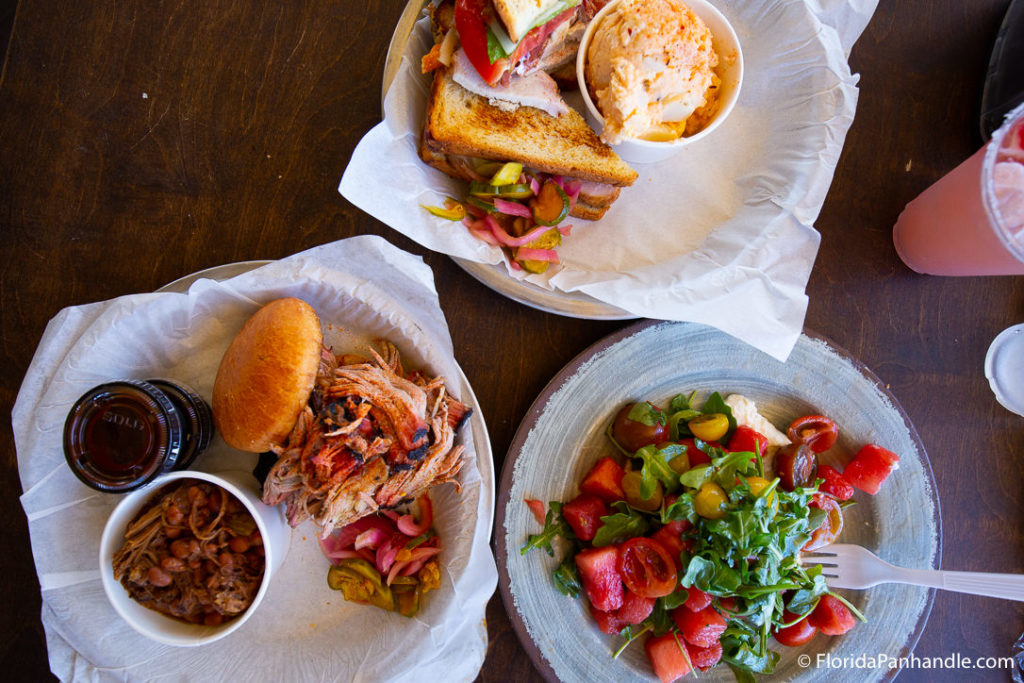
961 225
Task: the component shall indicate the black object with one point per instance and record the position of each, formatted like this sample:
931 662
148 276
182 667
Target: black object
1004 82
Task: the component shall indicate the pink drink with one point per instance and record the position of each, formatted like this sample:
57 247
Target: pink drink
970 221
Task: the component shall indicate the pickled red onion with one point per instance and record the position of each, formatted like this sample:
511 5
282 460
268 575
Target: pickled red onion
512 208
537 255
507 239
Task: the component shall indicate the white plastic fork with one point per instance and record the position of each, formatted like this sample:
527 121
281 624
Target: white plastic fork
851 566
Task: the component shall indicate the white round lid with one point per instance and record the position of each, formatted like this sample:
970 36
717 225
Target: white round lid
1004 368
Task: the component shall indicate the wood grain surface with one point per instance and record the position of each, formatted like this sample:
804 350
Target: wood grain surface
140 142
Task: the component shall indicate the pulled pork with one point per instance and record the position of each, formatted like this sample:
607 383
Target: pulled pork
372 436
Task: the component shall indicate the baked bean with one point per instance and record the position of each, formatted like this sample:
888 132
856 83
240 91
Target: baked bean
173 565
213 619
158 577
174 515
196 495
239 544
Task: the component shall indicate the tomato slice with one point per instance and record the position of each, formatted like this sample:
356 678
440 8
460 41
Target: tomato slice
831 527
817 431
647 568
471 24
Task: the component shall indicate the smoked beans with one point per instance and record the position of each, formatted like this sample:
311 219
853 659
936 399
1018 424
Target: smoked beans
194 554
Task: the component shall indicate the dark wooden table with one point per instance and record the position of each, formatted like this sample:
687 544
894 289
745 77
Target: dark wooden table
140 142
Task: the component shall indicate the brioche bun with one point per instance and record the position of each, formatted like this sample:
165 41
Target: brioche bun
267 374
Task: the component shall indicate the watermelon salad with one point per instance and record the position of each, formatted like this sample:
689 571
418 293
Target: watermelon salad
686 539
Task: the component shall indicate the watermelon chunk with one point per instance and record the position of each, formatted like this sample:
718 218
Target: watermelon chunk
696 599
704 658
635 608
608 622
702 628
605 480
583 514
870 467
834 484
668 656
599 573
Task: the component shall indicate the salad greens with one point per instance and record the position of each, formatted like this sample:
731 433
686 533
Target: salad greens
746 560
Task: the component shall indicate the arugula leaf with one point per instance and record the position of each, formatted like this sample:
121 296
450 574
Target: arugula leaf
739 655
695 476
681 509
700 572
804 600
656 468
716 404
681 402
554 526
567 576
644 413
625 524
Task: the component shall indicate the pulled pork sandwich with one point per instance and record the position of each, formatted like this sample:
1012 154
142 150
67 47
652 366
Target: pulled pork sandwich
351 434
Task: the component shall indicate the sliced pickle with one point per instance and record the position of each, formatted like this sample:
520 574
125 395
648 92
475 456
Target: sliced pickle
549 240
513 191
481 204
552 204
508 174
359 581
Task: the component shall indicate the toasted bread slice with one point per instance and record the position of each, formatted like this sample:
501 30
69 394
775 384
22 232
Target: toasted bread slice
460 123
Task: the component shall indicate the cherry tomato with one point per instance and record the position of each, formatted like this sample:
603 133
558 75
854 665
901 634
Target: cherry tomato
634 433
647 568
796 465
796 635
758 484
831 527
817 431
709 501
631 483
711 427
471 25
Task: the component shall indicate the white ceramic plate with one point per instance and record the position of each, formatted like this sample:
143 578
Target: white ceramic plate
563 435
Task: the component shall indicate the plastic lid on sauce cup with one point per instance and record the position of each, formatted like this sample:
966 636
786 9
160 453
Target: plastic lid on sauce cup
1004 368
121 435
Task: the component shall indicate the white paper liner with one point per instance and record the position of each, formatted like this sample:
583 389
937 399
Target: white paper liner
721 233
363 288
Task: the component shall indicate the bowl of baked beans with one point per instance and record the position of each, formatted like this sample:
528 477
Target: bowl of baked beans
187 559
